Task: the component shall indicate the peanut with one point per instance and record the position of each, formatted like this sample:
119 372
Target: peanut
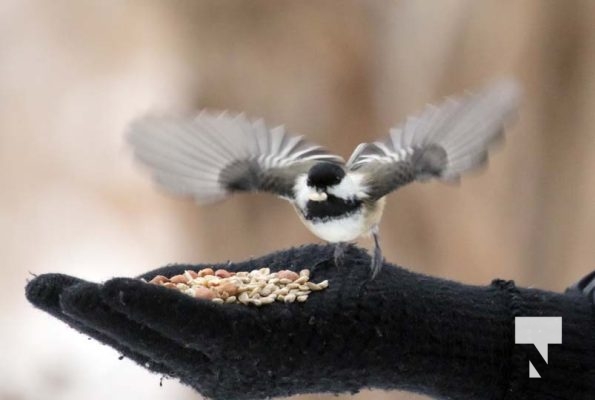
222 273
287 274
178 279
204 293
159 279
206 271
257 287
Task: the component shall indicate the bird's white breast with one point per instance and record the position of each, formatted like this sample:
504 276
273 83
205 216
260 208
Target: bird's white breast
339 230
348 228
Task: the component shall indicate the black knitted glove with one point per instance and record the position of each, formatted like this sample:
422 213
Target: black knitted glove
400 331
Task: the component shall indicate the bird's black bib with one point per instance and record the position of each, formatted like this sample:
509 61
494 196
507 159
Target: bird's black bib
332 208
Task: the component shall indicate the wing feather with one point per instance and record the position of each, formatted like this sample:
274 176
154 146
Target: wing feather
442 142
213 155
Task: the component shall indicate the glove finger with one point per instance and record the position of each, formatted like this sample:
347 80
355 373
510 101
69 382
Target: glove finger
195 323
83 302
45 292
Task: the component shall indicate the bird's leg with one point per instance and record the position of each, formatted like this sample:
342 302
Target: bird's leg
377 256
339 252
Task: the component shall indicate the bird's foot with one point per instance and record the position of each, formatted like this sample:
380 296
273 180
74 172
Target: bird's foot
339 253
377 259
376 264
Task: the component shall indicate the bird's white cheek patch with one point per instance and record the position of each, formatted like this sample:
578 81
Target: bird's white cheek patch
317 196
351 186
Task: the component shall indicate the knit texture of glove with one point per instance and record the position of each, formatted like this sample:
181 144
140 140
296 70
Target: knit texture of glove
401 330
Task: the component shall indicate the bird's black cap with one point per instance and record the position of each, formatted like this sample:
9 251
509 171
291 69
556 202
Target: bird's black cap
325 174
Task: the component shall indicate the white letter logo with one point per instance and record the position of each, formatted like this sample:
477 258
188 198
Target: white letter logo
540 331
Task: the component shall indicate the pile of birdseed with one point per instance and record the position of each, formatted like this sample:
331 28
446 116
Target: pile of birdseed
257 287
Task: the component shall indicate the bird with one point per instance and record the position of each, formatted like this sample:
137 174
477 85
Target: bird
215 154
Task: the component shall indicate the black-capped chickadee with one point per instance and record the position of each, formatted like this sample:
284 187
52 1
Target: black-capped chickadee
216 154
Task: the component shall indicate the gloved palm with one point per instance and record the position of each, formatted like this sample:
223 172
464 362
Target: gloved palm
400 330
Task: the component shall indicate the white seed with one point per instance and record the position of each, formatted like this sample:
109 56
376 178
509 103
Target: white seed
256 302
256 287
290 298
243 289
198 281
212 280
188 275
244 299
271 287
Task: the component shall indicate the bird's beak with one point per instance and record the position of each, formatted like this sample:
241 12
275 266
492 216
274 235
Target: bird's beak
318 196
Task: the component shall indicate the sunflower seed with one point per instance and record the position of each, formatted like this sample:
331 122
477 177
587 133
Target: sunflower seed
257 287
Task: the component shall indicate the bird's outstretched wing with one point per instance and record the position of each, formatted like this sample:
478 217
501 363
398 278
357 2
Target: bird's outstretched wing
216 154
442 142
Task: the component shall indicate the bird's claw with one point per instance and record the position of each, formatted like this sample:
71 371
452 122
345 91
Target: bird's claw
377 259
376 264
339 253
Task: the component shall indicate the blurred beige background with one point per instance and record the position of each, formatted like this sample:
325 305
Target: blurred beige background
74 73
